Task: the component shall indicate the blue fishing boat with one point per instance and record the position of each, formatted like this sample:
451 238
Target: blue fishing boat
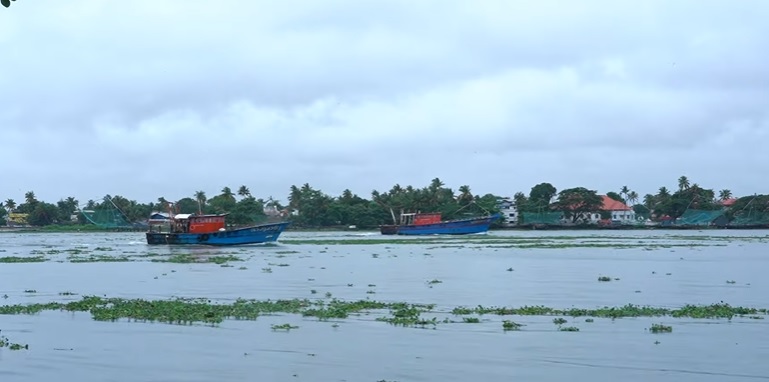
208 230
431 224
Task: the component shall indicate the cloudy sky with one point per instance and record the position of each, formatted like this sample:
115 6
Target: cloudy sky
149 98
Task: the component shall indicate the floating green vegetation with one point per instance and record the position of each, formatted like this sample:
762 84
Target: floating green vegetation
278 265
5 343
242 268
67 293
17 259
402 314
103 249
559 321
720 310
98 259
604 278
30 291
434 281
285 327
471 320
589 320
285 252
569 329
731 282
510 325
659 328
188 311
267 270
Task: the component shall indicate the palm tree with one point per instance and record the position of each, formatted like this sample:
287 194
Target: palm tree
435 184
227 193
725 194
624 192
649 201
465 196
683 183
10 204
29 196
244 192
663 192
632 197
200 197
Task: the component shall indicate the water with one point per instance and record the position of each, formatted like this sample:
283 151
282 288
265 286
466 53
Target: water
659 268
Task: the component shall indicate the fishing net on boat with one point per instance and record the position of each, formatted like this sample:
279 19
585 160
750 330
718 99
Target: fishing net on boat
551 218
699 217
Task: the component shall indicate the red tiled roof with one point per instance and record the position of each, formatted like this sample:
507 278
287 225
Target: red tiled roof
610 204
728 202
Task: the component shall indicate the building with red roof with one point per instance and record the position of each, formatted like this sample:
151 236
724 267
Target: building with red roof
618 213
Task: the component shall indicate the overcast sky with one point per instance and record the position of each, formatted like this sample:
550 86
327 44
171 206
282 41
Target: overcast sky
149 98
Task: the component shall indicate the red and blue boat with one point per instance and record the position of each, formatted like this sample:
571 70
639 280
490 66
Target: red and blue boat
208 230
431 224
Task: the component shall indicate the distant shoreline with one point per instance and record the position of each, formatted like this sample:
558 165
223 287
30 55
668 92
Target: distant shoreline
93 229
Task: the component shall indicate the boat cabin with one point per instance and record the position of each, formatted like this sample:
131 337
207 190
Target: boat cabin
189 223
420 218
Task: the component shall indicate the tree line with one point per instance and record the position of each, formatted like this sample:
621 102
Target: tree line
310 207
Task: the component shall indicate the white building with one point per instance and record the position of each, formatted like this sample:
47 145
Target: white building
508 210
619 213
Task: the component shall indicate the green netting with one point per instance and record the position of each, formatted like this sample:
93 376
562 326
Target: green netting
750 217
106 218
698 217
541 217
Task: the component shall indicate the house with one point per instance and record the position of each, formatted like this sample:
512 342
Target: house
508 210
620 212
616 212
726 203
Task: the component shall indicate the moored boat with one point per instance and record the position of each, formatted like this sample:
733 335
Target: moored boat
209 230
431 224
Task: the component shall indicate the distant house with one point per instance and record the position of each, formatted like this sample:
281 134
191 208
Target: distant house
728 202
508 210
619 213
16 219
159 217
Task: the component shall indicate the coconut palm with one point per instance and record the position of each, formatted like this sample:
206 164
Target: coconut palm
244 192
632 197
624 192
29 197
10 205
683 183
725 194
227 193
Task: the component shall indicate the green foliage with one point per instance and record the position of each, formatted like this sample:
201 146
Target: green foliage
578 201
540 197
615 196
6 3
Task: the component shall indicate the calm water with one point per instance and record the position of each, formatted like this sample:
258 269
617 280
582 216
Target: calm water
660 268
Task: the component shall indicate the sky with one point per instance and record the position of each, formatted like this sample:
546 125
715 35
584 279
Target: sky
148 98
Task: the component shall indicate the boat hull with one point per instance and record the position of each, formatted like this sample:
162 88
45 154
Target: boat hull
264 233
453 227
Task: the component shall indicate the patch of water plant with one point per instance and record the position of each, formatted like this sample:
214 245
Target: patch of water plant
6 343
18 259
285 327
719 310
660 328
